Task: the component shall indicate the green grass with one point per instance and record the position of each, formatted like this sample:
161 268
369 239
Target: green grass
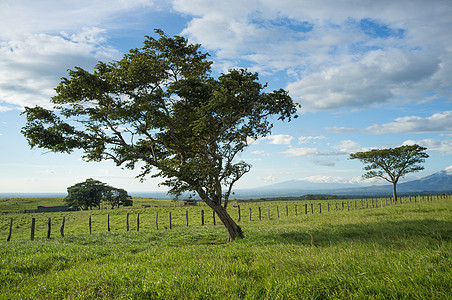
394 252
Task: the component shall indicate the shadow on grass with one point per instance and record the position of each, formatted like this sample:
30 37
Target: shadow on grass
400 234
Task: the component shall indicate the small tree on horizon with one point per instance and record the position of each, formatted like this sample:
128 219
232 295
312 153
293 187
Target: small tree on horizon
117 197
393 163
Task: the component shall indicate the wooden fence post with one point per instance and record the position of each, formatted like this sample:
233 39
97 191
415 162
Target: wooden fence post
49 225
157 220
342 205
305 208
10 230
108 222
296 213
32 234
250 214
312 208
186 217
89 224
170 222
260 213
277 210
202 217
238 211
348 205
336 204
287 210
328 205
320 207
138 222
62 227
127 222
214 222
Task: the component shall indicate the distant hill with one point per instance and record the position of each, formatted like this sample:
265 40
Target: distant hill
434 183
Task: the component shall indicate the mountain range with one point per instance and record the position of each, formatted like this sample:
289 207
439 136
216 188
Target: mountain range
434 183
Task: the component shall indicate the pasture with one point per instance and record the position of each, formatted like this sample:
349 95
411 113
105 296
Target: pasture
401 251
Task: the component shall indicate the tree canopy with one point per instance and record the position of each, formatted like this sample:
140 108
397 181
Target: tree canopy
91 193
159 109
393 163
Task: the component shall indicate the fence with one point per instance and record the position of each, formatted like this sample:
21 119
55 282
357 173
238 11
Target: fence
197 215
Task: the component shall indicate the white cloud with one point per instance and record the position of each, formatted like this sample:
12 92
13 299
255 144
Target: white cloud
439 122
324 163
433 145
21 18
279 139
306 139
31 69
308 152
40 40
331 57
325 179
348 146
268 178
413 124
5 108
302 152
448 170
336 129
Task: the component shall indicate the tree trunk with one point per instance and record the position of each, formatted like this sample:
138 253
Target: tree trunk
394 191
234 231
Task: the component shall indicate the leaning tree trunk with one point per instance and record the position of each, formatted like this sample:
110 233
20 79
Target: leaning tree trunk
234 230
394 191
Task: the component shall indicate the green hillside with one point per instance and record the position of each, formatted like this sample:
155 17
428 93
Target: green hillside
401 251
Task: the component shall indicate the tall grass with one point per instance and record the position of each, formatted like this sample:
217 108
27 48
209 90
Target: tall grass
394 252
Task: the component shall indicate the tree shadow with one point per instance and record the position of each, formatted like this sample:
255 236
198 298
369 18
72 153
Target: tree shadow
400 234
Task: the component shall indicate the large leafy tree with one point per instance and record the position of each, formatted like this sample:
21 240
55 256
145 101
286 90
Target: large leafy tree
87 194
91 193
393 163
158 108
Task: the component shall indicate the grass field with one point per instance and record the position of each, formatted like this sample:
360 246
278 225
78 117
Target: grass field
391 252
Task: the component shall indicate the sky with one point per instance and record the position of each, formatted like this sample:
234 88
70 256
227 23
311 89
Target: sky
368 75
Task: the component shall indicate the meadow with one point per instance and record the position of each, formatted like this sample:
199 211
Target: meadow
401 251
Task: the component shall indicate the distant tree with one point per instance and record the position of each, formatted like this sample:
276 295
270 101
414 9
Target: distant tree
117 197
158 107
91 193
393 163
87 194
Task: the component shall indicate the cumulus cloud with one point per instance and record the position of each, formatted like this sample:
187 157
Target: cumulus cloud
31 69
444 146
20 19
306 139
279 139
268 178
324 163
335 55
439 122
436 123
308 152
349 146
448 170
325 179
40 40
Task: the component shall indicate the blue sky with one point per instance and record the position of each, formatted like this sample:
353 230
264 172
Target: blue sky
368 74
